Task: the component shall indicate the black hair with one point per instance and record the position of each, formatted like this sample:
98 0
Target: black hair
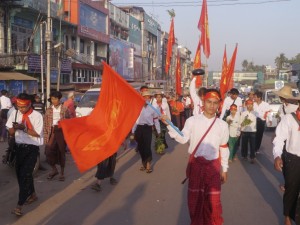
144 87
3 92
258 94
24 96
201 91
234 91
56 94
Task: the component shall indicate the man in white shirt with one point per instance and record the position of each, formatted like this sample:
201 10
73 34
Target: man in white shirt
26 125
197 96
287 160
233 98
142 131
208 162
261 109
5 106
186 100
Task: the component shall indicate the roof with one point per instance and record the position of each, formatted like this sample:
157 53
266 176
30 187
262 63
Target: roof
15 76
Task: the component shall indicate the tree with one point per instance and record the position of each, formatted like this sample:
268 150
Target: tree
245 64
280 60
295 60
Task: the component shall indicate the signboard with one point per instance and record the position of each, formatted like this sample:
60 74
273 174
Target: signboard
150 24
32 87
119 58
2 85
15 87
135 35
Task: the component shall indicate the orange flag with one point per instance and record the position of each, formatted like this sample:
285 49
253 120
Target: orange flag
178 75
204 28
94 138
197 64
231 67
223 81
171 42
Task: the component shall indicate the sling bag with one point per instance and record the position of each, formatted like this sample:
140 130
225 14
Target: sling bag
188 168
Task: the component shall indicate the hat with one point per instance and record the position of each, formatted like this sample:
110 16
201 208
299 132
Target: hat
285 92
198 72
234 91
146 93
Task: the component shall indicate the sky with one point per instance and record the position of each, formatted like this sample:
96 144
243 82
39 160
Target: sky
262 30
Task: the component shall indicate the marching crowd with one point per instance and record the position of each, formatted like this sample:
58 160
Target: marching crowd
214 128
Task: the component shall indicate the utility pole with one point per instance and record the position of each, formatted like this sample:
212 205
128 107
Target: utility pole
48 39
42 62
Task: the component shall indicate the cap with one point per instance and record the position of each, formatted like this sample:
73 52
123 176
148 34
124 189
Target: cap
198 72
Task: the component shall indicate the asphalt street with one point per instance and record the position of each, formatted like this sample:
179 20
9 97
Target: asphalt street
250 197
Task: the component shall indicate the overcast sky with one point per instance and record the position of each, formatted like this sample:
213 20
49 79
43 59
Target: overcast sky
262 28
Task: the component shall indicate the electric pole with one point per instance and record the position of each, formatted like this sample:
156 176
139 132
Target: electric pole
48 39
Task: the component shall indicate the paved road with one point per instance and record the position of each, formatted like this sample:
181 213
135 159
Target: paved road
251 196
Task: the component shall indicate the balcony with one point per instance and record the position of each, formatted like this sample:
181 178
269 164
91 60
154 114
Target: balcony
39 5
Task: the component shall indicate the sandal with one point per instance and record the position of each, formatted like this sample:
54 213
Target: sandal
31 199
142 168
61 178
17 212
149 170
113 181
96 187
52 175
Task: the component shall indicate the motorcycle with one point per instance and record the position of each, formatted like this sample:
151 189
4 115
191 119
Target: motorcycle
9 158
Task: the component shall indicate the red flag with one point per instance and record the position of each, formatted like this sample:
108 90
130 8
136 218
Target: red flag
223 81
204 28
178 75
197 64
171 42
94 138
231 66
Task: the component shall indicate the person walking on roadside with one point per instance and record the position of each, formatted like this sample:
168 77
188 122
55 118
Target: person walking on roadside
55 148
287 161
26 125
248 131
261 109
5 106
197 96
70 105
233 98
142 131
38 105
105 169
233 121
208 164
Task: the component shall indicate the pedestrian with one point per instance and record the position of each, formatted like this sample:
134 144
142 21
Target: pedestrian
261 109
208 164
38 105
105 169
26 125
55 148
70 105
287 161
5 106
233 121
233 98
160 141
176 107
187 102
197 96
248 131
142 131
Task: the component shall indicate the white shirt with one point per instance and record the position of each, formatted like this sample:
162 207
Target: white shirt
228 102
287 130
10 111
56 114
234 126
251 116
149 117
261 109
36 120
194 128
186 102
5 102
195 97
164 107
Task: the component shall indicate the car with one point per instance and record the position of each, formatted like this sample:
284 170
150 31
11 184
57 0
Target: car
274 101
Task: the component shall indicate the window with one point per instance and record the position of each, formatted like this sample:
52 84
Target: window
81 46
73 44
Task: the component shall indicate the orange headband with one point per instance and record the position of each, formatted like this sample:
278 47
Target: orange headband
212 94
233 107
249 102
22 102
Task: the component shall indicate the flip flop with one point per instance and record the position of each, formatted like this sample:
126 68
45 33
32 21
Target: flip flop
149 170
52 175
31 200
17 212
142 168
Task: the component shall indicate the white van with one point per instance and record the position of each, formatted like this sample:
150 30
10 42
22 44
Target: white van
274 101
89 99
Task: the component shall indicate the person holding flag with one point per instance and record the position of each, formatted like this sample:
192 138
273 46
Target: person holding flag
208 164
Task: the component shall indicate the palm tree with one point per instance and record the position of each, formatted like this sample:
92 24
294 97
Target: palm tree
280 60
245 65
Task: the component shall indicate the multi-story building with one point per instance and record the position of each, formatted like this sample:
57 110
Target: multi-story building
186 66
247 78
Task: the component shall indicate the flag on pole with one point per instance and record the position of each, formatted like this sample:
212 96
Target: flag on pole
96 137
231 66
204 28
178 75
171 42
197 64
223 81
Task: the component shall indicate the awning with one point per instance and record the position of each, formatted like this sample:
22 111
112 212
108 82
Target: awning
15 76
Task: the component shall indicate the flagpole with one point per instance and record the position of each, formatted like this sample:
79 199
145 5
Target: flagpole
168 121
